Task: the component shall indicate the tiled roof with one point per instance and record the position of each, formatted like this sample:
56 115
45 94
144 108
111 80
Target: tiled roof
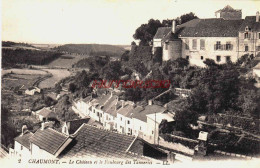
75 124
227 9
250 21
149 109
161 32
49 140
112 101
126 110
24 139
44 112
217 27
93 142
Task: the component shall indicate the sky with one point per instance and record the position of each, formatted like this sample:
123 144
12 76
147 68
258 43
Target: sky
99 21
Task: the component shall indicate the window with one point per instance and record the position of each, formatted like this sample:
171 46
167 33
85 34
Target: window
100 114
107 117
21 147
166 46
187 57
258 48
121 118
246 47
218 58
202 44
187 44
246 35
194 44
94 111
129 129
228 59
140 128
97 113
218 45
152 132
128 122
228 46
201 57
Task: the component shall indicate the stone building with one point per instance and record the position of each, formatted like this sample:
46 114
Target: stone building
222 39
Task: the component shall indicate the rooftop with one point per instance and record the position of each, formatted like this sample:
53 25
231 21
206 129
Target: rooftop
44 112
99 143
49 140
24 139
149 109
74 125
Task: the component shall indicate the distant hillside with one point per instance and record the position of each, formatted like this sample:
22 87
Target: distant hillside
12 44
92 49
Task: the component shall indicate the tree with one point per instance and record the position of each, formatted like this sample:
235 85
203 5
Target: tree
72 87
187 17
146 32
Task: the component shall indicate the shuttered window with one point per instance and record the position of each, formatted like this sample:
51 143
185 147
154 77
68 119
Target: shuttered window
187 44
194 44
202 44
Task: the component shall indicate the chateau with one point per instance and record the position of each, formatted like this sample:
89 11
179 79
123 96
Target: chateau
224 38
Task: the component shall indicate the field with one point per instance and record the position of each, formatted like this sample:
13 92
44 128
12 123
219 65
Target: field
12 78
57 75
66 61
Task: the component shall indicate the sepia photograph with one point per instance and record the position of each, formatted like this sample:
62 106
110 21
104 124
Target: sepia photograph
132 83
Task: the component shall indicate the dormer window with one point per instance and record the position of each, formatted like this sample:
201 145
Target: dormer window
246 29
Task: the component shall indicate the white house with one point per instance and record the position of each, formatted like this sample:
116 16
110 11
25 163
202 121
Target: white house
31 91
22 143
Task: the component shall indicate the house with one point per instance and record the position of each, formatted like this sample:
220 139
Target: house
44 143
48 143
124 118
249 36
153 122
44 114
229 13
22 144
32 90
90 142
222 39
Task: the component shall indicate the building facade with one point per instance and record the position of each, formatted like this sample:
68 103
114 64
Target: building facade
223 39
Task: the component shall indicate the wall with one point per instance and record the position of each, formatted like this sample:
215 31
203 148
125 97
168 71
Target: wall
137 124
39 153
82 107
209 51
124 125
231 15
152 131
174 50
21 152
252 43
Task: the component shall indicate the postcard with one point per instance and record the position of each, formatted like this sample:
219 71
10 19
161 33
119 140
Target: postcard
132 83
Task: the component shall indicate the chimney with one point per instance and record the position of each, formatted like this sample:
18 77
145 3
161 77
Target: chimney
42 126
257 16
173 26
24 128
123 103
150 102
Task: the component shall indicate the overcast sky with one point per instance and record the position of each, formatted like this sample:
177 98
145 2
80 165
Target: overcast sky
99 21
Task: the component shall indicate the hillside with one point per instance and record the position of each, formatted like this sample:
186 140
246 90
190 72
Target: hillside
92 49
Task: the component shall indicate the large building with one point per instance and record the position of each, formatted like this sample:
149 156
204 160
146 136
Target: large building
225 38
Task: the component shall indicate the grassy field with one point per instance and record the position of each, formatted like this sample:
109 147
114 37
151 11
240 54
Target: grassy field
24 71
57 75
66 61
10 81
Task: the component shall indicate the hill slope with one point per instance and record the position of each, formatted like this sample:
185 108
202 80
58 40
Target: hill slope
92 49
